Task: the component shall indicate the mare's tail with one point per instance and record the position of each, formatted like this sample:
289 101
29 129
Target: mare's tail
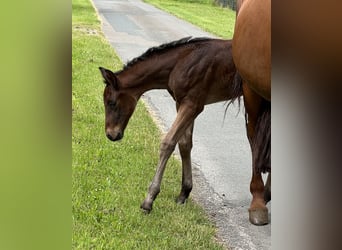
261 145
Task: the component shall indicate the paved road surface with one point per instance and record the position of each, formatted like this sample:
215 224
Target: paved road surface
221 154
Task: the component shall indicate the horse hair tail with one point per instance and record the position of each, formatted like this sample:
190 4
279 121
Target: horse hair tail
261 144
236 92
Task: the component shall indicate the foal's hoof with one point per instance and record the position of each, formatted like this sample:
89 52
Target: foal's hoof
259 216
146 207
181 200
183 196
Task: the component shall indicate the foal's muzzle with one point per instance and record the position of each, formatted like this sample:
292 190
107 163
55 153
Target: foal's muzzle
116 137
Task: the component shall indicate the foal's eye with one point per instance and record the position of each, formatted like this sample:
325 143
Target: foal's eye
112 104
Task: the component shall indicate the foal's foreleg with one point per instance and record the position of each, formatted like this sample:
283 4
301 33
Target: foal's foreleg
185 146
185 116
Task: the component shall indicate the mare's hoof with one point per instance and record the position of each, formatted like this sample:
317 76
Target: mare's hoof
267 196
259 216
146 207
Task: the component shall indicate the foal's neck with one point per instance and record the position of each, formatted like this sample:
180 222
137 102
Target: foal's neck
147 75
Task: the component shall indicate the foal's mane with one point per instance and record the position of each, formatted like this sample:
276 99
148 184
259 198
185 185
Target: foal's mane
163 48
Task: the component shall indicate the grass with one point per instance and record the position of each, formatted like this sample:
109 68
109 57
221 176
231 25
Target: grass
110 180
204 14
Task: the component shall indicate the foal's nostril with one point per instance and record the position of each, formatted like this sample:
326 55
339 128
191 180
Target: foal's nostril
118 137
110 137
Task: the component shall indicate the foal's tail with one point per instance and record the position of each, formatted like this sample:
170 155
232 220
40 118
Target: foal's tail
236 91
261 144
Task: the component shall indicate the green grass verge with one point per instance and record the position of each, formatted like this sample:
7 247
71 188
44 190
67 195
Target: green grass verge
110 180
204 14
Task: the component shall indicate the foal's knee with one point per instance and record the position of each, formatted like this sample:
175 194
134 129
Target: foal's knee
167 147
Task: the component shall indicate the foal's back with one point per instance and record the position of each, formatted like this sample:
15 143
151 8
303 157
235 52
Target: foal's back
204 70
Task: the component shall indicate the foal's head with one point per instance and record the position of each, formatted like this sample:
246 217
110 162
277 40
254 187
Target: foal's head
119 106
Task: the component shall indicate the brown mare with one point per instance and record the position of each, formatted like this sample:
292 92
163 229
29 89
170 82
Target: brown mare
196 72
251 48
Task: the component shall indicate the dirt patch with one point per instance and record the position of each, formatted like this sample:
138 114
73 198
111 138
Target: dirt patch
86 30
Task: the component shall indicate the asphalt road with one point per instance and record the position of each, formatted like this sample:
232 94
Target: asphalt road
221 155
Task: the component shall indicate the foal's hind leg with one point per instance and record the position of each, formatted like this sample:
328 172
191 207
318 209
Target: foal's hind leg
185 146
186 114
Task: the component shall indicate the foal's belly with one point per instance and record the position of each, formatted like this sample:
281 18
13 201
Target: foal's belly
217 95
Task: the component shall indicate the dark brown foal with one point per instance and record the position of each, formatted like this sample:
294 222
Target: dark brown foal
196 72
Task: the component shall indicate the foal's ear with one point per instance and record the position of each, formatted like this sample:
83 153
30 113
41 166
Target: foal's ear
109 77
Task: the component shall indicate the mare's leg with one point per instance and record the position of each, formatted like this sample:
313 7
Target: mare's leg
258 212
187 112
267 195
185 146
